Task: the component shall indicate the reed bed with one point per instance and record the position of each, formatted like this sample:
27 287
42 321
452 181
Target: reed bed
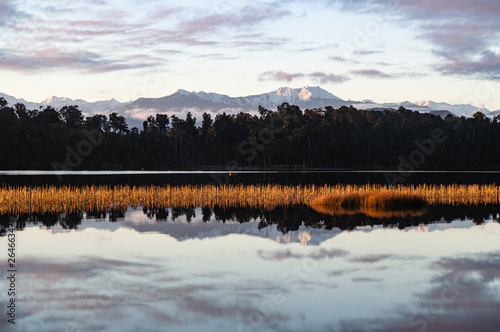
51 199
377 204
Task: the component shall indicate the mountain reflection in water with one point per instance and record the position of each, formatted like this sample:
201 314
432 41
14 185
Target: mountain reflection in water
208 270
286 219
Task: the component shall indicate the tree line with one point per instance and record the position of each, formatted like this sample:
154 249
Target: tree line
287 137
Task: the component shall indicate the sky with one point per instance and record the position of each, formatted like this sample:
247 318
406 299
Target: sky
384 50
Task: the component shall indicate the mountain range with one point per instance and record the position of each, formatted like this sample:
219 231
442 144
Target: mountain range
183 101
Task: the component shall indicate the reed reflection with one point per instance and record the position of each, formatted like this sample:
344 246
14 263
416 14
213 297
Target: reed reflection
286 219
50 199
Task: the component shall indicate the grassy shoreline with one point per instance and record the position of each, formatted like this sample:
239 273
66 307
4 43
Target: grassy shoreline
51 199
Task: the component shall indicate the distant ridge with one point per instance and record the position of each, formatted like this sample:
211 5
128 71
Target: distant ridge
305 97
183 101
57 102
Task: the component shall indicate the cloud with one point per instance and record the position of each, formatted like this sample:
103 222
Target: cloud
78 38
371 73
463 33
112 31
324 78
86 267
338 273
332 253
488 64
365 52
371 258
277 255
245 17
365 279
279 76
8 12
216 56
257 44
338 58
456 7
244 312
349 60
164 13
342 59
425 8
382 63
462 297
319 77
53 58
321 254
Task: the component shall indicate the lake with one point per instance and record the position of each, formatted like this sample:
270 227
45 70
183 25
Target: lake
286 269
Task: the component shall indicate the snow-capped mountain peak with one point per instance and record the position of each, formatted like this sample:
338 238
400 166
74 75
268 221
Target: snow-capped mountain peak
423 103
409 105
55 99
316 92
202 95
182 92
305 93
214 97
457 109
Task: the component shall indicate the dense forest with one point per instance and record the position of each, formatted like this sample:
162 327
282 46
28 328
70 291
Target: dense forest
331 138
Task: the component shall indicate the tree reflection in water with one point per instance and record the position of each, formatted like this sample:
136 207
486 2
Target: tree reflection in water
286 219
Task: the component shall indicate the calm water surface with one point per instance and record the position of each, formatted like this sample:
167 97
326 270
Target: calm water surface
234 270
178 272
236 176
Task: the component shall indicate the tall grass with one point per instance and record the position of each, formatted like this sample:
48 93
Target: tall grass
379 204
51 199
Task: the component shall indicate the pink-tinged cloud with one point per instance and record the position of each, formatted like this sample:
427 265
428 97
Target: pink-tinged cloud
342 59
318 77
488 64
52 58
461 7
338 58
371 73
247 16
325 78
279 76
425 8
165 12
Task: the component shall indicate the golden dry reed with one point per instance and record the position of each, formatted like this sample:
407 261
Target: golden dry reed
51 199
376 204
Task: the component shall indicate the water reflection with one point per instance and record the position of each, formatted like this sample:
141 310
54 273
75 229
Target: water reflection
286 219
462 296
383 280
289 177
